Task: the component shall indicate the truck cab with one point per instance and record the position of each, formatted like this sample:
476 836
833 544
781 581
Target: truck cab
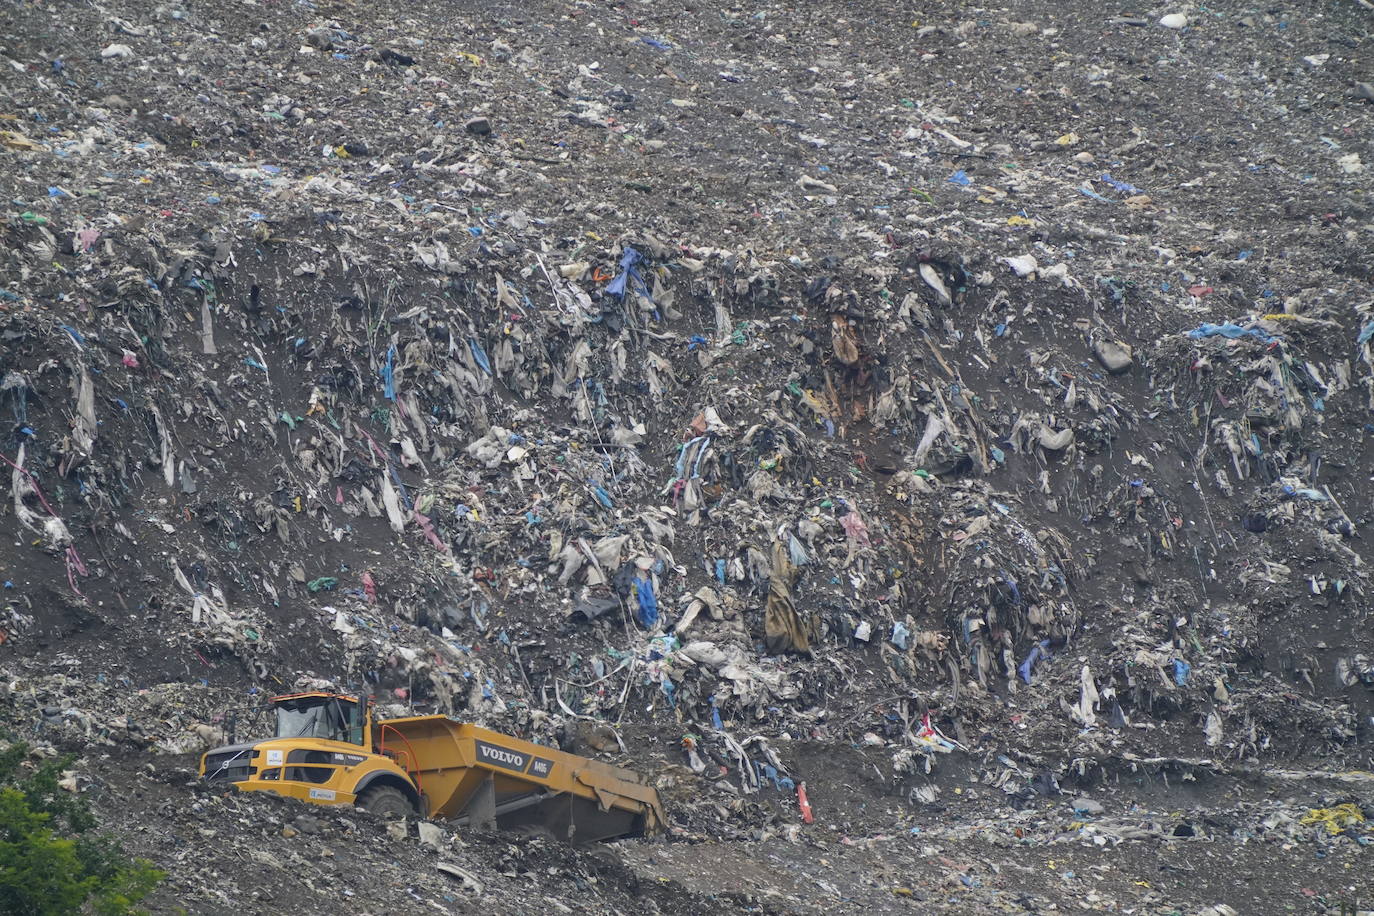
321 751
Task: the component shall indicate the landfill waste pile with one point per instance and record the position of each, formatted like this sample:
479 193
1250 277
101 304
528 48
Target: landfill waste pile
931 443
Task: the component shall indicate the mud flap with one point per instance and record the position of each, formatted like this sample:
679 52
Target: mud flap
482 807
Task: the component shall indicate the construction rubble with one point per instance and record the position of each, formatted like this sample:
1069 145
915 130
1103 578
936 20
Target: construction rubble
931 444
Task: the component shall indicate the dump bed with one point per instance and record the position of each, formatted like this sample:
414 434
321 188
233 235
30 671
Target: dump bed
484 777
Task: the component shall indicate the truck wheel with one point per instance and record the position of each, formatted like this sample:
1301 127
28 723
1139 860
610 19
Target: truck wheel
534 831
386 801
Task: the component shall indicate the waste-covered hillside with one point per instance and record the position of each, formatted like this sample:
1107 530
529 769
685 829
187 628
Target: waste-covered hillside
965 411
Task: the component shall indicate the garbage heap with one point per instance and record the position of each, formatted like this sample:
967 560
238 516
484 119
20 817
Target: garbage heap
469 376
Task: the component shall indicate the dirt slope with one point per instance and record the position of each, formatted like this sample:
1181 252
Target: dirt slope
726 373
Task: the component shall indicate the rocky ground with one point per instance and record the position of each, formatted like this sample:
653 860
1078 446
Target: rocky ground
963 411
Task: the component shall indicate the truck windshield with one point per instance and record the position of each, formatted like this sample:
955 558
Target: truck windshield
319 717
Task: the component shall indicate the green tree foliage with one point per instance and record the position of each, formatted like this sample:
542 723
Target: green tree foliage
50 863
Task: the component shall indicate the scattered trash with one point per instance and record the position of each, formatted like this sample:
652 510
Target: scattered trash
938 420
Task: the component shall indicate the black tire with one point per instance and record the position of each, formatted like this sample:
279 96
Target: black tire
534 831
386 801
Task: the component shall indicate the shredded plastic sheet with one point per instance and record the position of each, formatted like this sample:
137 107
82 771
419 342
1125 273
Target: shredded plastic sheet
1230 331
1335 820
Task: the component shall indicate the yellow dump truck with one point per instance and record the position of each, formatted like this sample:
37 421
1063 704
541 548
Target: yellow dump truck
330 750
